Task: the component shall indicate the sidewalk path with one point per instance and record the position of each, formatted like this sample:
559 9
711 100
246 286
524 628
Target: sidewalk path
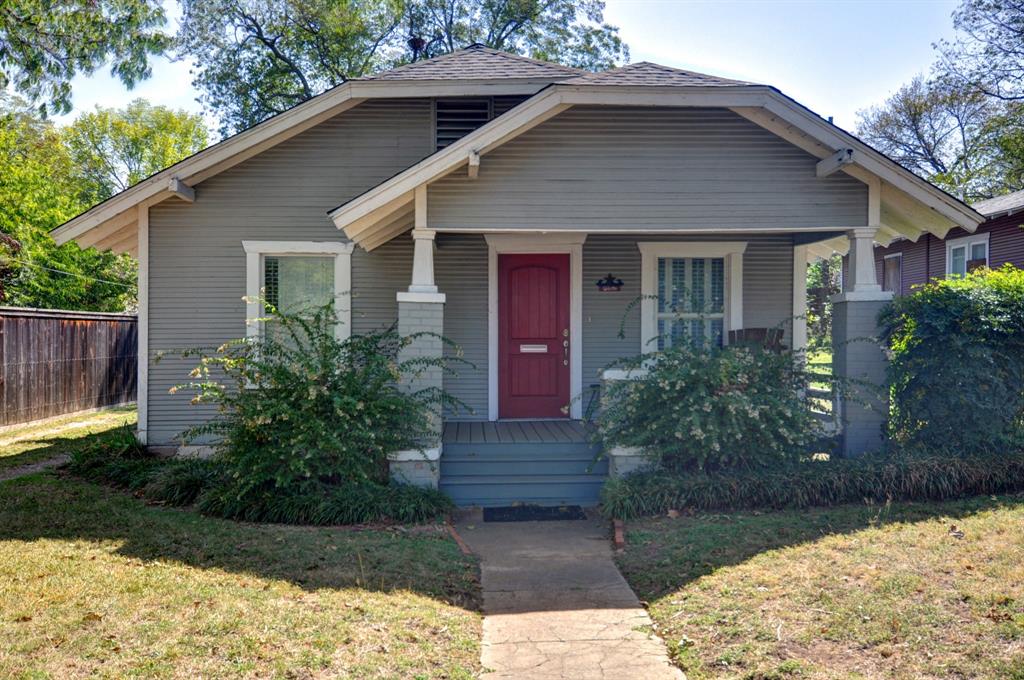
555 606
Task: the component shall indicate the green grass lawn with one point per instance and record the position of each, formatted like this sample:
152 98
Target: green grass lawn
847 592
95 583
26 444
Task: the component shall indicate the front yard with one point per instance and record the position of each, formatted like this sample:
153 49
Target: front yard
902 591
37 442
95 583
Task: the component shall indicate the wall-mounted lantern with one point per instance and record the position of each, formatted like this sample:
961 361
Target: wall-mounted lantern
609 284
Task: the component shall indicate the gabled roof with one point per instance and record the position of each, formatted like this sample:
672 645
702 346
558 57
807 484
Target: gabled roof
909 204
646 73
1001 205
904 204
477 62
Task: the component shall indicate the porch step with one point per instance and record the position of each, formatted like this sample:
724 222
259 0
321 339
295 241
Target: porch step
498 474
484 491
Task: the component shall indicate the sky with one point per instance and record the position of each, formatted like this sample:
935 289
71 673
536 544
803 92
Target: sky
836 57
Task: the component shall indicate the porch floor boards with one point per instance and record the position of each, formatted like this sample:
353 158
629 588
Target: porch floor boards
515 432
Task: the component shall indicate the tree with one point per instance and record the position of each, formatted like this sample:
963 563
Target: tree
256 58
46 43
948 135
37 194
823 278
48 175
112 149
988 52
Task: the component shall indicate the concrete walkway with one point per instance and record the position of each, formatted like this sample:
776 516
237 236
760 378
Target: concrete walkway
555 606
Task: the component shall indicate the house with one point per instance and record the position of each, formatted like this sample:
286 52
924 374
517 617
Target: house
483 195
906 263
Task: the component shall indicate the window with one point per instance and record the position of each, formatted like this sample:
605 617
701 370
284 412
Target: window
966 254
892 273
297 275
691 291
691 300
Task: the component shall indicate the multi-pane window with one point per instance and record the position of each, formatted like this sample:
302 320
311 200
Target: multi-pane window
892 274
691 300
967 254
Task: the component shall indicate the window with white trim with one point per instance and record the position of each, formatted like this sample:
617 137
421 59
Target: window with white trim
691 300
294 276
892 273
691 292
966 254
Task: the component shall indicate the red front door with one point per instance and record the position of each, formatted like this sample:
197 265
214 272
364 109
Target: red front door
533 336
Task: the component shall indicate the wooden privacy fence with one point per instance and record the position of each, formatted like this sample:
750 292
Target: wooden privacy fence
55 361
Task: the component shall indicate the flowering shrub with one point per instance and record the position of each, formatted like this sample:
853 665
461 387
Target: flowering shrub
708 408
302 415
957 370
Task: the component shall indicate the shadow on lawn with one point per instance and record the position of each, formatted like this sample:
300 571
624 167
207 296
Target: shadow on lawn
419 559
35 443
663 555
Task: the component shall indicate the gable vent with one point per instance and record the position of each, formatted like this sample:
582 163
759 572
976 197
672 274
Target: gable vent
456 118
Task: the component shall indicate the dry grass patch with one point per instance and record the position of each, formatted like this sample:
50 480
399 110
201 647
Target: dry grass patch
913 590
95 583
27 444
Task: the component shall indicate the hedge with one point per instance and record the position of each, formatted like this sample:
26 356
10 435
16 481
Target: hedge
816 483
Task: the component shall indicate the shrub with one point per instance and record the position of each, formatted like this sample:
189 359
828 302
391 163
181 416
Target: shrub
816 483
305 423
346 503
181 482
709 408
957 370
115 457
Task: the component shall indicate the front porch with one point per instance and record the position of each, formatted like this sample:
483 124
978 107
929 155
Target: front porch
543 462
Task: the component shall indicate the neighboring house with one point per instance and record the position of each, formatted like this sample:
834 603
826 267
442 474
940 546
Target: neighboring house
998 241
483 195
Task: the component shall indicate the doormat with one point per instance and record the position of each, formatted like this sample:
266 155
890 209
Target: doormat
533 513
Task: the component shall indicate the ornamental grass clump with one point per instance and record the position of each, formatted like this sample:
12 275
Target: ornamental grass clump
816 482
957 369
696 407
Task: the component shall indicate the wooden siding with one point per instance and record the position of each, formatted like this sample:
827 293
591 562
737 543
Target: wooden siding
461 271
926 259
197 265
623 169
54 362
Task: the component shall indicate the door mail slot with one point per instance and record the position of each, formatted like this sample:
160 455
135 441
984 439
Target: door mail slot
533 349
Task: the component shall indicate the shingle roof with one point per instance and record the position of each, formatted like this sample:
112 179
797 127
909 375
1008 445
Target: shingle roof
646 73
1001 204
478 62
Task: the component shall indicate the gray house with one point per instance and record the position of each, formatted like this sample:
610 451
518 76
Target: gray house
485 195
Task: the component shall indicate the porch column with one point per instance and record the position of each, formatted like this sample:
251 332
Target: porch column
421 310
857 354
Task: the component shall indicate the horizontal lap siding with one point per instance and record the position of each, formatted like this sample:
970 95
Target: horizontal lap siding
626 168
197 265
927 257
767 292
461 271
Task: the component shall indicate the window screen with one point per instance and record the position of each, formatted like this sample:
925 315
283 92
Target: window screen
892 279
691 300
296 283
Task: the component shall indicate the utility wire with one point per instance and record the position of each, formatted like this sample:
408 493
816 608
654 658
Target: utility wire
66 273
